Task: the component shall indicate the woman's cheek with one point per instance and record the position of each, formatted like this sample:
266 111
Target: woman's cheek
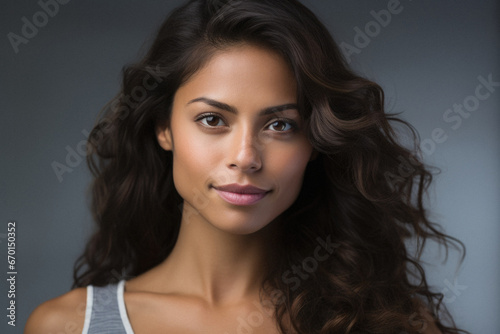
191 162
290 165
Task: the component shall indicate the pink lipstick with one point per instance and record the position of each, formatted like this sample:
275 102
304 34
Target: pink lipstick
240 195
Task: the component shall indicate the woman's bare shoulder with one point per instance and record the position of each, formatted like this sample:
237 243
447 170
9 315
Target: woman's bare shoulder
63 314
428 324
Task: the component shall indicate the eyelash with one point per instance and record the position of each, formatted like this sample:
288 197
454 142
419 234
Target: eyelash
293 125
201 117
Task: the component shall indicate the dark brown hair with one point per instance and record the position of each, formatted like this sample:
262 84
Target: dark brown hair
363 193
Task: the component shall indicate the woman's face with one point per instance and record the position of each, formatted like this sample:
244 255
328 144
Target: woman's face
238 143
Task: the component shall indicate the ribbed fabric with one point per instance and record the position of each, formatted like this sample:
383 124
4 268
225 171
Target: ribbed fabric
105 311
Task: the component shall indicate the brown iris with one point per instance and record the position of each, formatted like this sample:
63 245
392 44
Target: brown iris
212 120
279 126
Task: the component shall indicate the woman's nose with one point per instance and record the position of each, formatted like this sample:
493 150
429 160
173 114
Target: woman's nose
246 153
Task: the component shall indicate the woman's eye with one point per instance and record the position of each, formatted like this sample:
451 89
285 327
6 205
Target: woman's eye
280 126
211 121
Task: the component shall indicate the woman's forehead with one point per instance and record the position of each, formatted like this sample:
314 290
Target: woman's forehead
247 73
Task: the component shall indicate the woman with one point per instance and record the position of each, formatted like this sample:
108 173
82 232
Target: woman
247 181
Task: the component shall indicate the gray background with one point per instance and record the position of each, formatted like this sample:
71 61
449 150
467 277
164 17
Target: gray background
428 58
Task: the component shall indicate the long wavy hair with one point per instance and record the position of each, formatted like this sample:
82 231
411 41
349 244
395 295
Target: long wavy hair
364 193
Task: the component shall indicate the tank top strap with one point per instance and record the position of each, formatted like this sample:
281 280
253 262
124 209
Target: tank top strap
105 311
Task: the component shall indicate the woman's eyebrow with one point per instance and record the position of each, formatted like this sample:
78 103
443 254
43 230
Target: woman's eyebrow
231 109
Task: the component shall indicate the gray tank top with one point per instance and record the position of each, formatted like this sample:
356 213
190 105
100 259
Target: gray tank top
105 311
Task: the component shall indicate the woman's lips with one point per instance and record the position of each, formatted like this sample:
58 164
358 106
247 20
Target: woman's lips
240 194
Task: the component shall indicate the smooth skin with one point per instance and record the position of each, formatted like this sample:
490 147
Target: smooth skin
234 122
244 128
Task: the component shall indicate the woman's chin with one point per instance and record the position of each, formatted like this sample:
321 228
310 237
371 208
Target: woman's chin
240 227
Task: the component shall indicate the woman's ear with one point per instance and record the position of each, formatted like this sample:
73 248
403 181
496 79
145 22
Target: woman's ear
164 136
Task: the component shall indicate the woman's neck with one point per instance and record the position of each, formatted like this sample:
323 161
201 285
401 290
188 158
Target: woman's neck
217 266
